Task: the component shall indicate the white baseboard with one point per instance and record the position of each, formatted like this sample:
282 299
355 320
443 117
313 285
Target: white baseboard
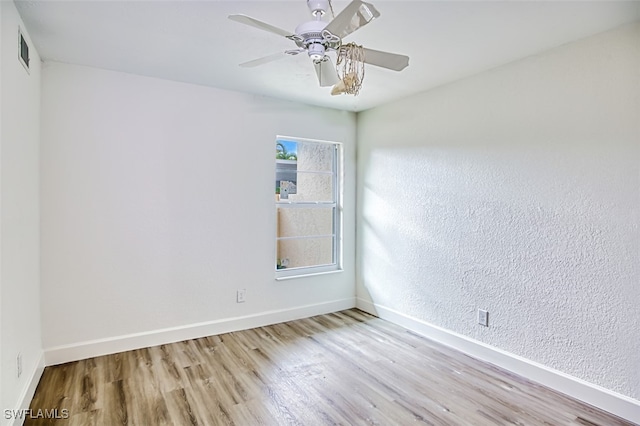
90 349
605 399
24 400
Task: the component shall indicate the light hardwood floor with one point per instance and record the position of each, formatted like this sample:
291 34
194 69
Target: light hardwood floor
344 368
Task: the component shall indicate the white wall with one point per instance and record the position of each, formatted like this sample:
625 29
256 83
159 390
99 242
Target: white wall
1 281
516 191
19 216
158 204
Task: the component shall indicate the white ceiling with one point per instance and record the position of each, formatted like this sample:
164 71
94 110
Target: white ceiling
194 42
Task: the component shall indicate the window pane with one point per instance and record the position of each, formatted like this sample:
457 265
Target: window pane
297 222
307 188
286 150
316 157
286 178
310 187
299 253
286 170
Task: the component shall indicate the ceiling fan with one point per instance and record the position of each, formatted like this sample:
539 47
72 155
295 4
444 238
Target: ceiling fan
317 38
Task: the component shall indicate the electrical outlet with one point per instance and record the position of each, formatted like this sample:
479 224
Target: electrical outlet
483 317
19 365
240 296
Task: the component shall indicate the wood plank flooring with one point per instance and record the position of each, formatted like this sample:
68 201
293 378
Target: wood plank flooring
345 368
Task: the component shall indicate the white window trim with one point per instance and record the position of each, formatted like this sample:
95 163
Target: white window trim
308 271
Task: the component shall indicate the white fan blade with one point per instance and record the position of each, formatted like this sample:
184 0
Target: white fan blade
270 58
264 60
247 20
357 14
326 72
388 60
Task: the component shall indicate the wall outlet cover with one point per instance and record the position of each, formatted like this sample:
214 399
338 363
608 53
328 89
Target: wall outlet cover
483 317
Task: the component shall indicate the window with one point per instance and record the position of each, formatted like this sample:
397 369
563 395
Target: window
308 207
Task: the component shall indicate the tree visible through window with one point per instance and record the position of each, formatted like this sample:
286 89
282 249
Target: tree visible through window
307 206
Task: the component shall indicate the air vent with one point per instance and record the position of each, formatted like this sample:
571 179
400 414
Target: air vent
23 50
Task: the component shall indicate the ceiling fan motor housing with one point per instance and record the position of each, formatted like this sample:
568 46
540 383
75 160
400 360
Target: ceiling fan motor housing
312 40
310 36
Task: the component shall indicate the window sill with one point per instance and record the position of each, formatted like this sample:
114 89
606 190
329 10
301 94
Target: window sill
303 275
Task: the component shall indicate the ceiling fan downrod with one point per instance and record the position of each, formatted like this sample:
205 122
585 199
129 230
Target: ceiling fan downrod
318 7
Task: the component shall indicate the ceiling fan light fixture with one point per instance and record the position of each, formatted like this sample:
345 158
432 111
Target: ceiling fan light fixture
316 51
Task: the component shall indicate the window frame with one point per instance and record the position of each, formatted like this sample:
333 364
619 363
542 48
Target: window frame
336 204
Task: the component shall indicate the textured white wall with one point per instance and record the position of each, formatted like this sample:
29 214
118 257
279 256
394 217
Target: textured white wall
19 212
515 191
157 204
